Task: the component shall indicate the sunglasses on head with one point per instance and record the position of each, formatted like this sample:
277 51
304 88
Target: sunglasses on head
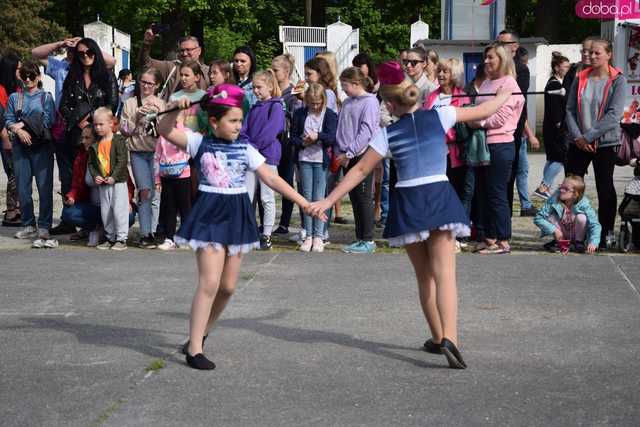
28 76
86 53
413 62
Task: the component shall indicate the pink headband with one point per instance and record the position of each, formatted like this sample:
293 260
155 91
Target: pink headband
390 73
225 94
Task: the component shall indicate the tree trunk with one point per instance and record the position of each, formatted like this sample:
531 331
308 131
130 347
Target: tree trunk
308 8
547 15
318 15
176 20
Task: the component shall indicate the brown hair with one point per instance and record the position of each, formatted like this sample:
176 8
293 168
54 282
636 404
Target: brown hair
578 186
556 60
193 66
355 76
225 68
269 76
315 91
327 79
606 44
405 94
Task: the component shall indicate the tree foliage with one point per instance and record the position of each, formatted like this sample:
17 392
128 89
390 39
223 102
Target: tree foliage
22 27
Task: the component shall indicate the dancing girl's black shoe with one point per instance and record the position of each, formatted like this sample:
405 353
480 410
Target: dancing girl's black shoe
185 347
431 347
452 354
200 362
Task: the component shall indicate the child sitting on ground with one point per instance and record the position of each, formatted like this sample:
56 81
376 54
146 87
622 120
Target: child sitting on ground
108 167
569 217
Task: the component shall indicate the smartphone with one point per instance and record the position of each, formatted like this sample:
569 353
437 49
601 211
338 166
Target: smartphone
160 28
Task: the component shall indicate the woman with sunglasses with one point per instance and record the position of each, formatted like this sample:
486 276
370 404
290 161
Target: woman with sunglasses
29 113
142 146
416 66
88 86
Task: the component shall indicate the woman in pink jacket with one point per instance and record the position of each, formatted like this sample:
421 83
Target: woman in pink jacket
494 216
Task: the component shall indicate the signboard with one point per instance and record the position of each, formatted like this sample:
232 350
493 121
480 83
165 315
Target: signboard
608 9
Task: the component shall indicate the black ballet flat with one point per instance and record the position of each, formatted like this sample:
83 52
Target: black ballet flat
452 354
431 347
200 362
185 347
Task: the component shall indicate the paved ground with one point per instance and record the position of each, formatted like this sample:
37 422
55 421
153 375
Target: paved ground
90 338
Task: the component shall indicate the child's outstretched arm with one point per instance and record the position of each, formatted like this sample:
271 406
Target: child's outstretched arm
270 178
166 125
359 172
484 110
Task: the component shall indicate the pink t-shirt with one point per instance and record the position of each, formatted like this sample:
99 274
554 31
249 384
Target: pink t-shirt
502 124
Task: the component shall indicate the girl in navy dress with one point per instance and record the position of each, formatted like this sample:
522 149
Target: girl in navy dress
221 225
425 214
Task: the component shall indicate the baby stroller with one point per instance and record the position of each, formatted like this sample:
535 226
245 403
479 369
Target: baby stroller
629 211
629 208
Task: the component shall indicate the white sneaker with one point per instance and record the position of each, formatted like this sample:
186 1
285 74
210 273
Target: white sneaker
318 244
94 239
28 232
167 245
38 244
51 243
458 247
306 245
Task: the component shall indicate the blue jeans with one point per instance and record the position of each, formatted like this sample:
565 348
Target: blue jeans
468 189
522 176
87 216
34 162
550 172
494 211
314 181
384 196
142 168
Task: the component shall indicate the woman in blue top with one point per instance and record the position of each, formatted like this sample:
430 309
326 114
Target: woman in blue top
30 114
221 226
425 214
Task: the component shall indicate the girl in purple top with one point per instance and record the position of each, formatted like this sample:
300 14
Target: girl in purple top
357 124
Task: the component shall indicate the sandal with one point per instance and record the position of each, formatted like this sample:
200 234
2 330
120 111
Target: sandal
495 250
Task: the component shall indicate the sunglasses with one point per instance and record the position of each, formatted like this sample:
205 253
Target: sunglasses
412 62
28 76
86 53
564 188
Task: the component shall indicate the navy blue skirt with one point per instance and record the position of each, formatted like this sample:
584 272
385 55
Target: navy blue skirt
415 211
220 220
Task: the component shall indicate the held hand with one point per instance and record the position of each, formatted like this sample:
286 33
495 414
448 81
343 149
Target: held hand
99 180
313 136
84 122
591 248
182 103
71 42
24 136
583 145
318 209
535 142
558 235
109 180
343 160
149 37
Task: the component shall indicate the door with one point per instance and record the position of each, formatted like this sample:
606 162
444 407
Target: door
471 61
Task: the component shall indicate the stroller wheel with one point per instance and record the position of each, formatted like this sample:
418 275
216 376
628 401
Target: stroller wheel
624 240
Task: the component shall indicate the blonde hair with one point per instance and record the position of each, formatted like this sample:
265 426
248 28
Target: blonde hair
315 91
455 67
507 67
103 111
578 186
330 57
355 75
287 61
405 94
269 77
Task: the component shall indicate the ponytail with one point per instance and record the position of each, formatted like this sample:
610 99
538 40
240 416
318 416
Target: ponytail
269 76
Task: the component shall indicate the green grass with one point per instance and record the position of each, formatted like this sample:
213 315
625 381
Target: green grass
155 365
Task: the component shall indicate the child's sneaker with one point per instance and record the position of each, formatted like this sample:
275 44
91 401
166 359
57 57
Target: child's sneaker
552 247
318 244
148 242
105 245
351 248
265 243
28 232
37 244
299 237
119 246
281 230
306 245
167 245
51 243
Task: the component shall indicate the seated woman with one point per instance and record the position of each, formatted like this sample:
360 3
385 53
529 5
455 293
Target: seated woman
82 203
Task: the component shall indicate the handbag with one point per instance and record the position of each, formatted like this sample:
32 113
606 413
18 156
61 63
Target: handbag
34 123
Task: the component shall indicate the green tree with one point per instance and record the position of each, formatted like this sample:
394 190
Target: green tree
23 27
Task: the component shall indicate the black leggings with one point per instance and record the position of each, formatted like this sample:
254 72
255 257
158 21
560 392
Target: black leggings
175 197
362 203
604 161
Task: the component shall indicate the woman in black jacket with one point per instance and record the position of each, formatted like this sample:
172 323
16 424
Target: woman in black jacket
88 86
553 126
